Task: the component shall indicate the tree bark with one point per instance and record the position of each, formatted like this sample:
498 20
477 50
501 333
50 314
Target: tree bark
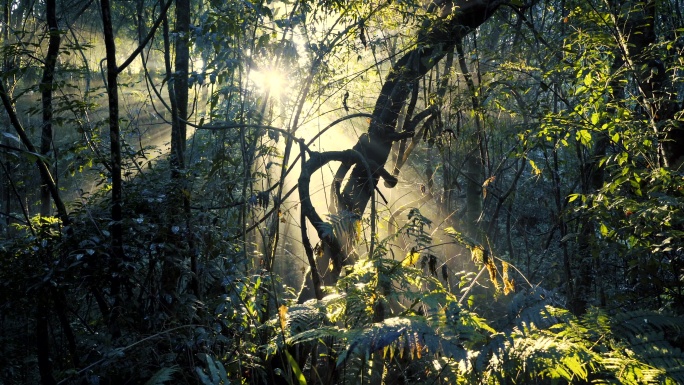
43 343
114 132
116 229
179 126
474 163
46 86
179 78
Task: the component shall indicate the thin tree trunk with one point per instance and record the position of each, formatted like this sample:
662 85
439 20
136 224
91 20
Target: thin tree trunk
43 343
114 132
6 187
180 87
179 126
46 86
116 228
42 307
474 171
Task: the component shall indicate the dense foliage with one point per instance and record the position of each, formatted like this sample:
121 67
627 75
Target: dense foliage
190 192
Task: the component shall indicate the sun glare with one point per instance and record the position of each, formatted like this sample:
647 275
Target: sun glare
270 80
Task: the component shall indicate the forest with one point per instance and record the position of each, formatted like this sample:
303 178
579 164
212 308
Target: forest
341 192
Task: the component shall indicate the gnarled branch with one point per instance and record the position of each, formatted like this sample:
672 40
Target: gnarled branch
323 228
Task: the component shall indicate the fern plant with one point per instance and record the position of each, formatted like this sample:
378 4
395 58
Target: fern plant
535 342
389 321
543 343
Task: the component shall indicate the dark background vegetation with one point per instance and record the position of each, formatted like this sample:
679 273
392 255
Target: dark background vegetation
328 192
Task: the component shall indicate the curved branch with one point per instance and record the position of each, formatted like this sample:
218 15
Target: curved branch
147 39
315 277
323 228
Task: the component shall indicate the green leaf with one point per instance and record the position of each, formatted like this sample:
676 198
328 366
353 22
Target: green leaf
595 118
622 158
588 80
584 137
295 369
615 138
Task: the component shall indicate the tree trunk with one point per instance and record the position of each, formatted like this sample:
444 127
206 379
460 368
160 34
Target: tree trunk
436 40
6 187
46 86
180 194
116 229
179 126
179 91
114 133
43 342
592 180
474 163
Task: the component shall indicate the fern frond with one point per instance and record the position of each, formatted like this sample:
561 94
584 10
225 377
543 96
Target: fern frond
304 317
321 333
535 353
532 307
627 348
162 376
641 321
399 336
648 340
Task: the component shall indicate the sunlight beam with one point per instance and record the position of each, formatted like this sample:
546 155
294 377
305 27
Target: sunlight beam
270 80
